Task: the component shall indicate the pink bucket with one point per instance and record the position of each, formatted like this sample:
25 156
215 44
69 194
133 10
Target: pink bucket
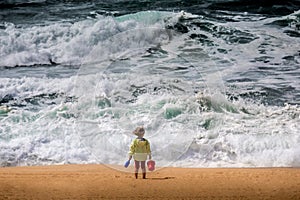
151 165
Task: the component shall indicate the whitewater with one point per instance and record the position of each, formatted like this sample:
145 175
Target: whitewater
210 93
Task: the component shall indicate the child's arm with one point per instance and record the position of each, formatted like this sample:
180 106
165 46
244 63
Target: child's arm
148 150
131 150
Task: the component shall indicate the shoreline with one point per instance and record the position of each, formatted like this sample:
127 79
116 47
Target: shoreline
93 181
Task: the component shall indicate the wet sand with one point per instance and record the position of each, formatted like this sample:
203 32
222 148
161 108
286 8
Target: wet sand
108 182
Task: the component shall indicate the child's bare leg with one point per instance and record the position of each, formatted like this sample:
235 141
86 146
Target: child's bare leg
137 166
143 168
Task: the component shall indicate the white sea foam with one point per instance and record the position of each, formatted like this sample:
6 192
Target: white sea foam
82 41
183 132
119 86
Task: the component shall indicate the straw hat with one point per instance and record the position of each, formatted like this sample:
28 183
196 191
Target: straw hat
139 131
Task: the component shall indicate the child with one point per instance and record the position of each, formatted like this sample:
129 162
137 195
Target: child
139 150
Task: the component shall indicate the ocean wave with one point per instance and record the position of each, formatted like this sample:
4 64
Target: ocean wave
216 89
203 130
83 41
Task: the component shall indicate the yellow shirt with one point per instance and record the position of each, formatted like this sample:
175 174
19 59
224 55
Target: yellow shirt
139 149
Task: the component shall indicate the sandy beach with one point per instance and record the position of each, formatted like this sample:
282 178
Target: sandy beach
107 182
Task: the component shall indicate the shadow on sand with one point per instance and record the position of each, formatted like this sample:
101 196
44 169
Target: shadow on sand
162 178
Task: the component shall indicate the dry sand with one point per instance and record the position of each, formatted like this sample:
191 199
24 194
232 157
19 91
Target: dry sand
106 182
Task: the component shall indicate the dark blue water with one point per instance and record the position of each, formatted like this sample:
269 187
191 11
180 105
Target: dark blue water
24 12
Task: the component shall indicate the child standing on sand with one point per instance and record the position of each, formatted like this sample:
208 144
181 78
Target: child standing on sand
139 150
